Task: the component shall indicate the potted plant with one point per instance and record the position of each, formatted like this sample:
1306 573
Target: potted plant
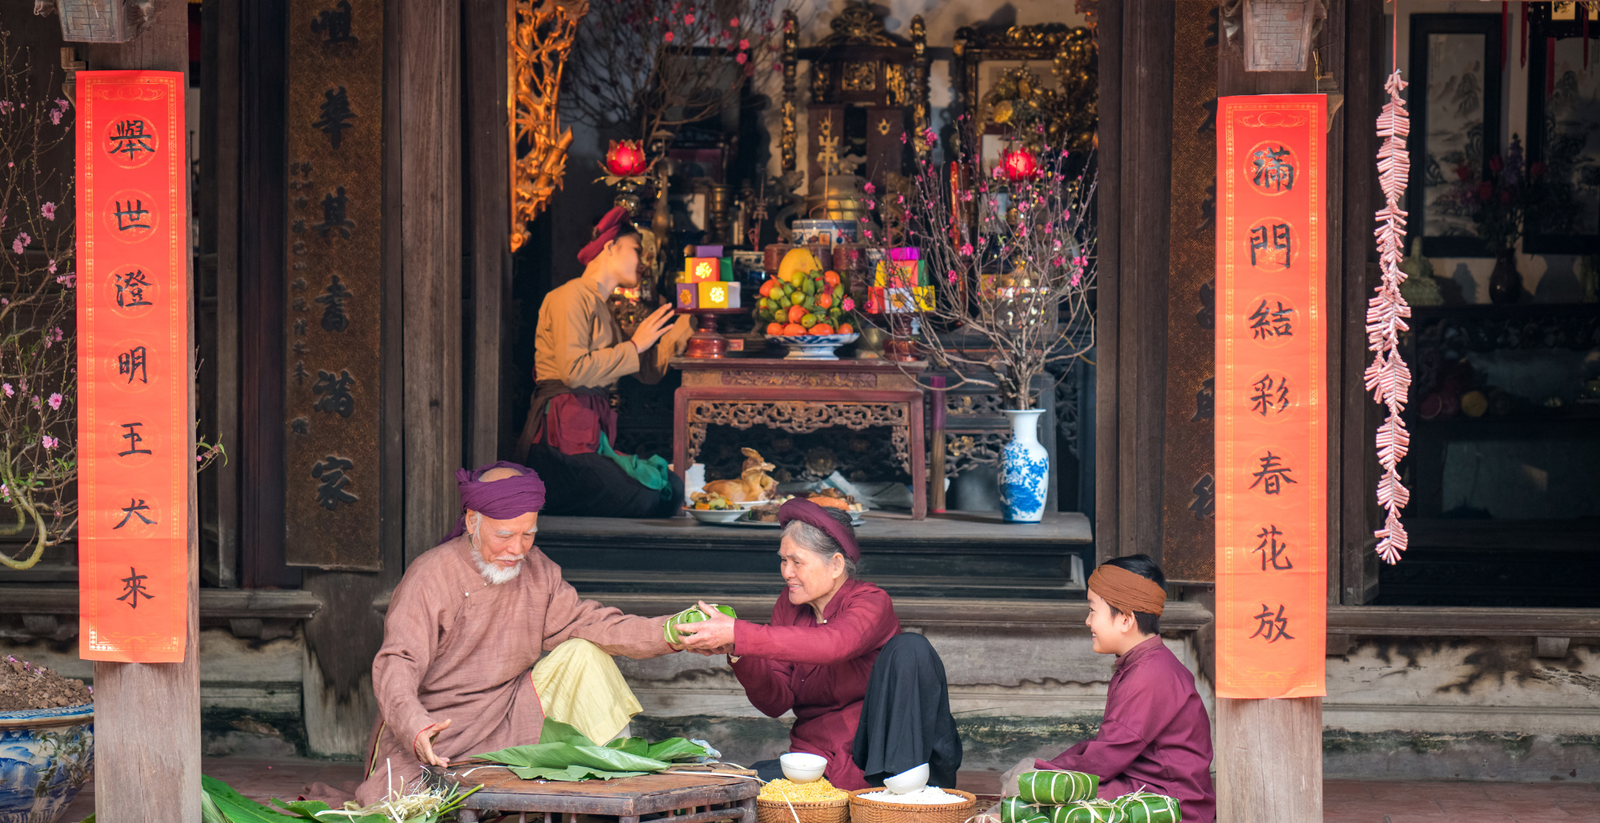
46 741
1501 199
999 291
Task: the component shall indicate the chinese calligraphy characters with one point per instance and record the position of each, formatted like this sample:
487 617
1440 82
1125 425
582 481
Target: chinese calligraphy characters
1273 550
1268 322
333 315
134 588
130 138
130 289
131 214
333 214
1272 628
331 492
133 364
1272 169
135 508
1267 241
334 25
336 115
1271 395
335 392
134 438
1272 475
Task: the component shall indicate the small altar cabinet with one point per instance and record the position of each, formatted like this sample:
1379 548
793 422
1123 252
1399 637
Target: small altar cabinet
803 396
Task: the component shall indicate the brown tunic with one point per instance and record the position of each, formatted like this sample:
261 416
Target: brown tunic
458 649
579 343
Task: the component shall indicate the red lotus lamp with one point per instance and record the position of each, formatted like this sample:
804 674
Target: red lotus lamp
1020 164
626 159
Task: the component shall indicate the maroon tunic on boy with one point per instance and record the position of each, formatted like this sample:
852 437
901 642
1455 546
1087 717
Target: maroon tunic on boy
1155 735
819 671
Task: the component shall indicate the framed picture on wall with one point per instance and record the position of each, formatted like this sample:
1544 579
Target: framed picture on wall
1455 106
1563 134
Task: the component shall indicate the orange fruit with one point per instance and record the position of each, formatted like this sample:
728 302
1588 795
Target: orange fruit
825 300
775 328
795 313
831 278
767 287
821 328
793 329
845 328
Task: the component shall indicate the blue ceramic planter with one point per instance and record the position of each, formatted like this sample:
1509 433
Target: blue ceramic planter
1024 470
46 755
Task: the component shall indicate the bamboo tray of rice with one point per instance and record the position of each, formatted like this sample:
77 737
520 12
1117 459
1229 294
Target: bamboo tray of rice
863 810
782 801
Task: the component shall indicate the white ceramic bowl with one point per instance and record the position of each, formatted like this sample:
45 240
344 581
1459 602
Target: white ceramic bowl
715 515
908 781
801 767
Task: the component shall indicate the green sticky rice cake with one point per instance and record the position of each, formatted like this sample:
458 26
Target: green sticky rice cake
1056 788
689 615
1148 807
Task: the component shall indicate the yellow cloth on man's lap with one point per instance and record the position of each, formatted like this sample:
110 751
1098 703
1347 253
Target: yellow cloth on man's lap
581 686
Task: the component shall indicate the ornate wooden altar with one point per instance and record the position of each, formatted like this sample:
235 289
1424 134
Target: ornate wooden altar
802 396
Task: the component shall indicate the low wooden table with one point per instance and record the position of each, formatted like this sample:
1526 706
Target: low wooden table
802 396
702 798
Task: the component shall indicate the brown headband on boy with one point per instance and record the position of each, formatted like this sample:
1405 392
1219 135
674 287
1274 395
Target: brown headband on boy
805 511
1127 591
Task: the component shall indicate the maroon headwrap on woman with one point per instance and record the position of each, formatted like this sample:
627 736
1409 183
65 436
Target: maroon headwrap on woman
505 499
610 226
808 512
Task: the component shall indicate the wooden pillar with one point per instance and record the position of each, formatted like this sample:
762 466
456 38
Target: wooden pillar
1136 164
147 715
1269 752
488 215
429 142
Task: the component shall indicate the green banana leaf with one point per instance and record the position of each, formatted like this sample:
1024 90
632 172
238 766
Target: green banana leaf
570 774
563 755
236 807
306 809
554 731
632 745
674 749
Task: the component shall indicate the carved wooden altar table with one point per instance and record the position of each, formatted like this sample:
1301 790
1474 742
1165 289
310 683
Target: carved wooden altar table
802 396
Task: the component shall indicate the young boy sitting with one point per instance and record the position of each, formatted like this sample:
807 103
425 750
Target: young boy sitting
1155 735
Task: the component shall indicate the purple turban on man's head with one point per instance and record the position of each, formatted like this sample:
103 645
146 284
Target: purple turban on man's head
504 499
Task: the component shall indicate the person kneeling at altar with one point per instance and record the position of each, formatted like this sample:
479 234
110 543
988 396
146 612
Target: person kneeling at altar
1155 735
869 698
456 674
580 353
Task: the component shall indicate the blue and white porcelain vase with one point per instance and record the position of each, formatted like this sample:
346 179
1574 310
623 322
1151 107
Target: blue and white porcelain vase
46 755
1024 470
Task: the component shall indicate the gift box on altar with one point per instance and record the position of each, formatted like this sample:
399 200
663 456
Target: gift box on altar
725 270
702 270
707 251
896 274
904 253
688 295
899 300
717 294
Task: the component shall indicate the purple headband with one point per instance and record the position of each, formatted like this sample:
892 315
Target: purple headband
805 511
504 499
610 226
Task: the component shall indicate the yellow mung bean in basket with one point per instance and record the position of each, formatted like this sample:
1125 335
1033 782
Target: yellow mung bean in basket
817 791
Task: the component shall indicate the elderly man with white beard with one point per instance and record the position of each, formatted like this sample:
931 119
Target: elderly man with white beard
467 624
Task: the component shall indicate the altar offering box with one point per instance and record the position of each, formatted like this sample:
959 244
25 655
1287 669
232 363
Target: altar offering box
707 251
726 269
702 270
718 295
896 274
688 295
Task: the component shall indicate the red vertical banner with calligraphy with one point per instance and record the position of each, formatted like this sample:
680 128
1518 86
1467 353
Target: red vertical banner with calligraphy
1272 420
133 381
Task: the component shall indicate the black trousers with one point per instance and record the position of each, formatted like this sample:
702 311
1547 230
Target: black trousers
906 719
591 485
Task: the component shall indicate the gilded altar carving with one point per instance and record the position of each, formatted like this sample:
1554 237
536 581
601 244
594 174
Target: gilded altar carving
807 380
860 77
539 35
798 417
1019 98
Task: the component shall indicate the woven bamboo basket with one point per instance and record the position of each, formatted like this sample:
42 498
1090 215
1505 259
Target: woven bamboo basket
783 811
872 811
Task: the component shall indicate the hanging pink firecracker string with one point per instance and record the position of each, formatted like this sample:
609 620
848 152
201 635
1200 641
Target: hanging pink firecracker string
1388 378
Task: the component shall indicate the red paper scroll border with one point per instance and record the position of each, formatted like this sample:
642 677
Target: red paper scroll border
155 630
1250 666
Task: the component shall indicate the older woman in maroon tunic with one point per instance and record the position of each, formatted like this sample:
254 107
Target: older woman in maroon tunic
820 657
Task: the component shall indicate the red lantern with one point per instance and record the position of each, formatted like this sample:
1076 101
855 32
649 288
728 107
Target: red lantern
1020 165
625 159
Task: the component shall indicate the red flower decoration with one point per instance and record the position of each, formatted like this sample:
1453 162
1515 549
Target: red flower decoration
1496 164
1485 190
625 158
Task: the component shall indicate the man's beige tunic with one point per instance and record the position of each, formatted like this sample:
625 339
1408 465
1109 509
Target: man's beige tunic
456 648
